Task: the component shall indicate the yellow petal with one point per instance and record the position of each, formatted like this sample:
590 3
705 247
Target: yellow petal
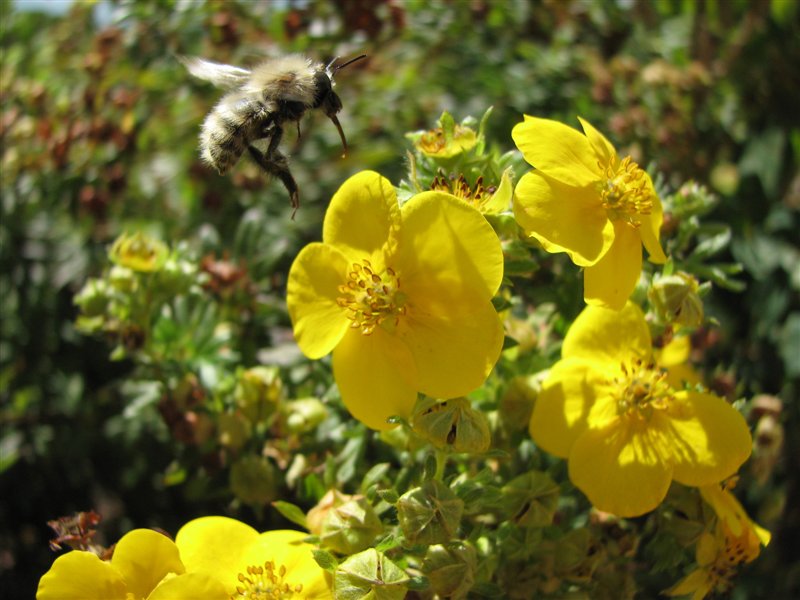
453 353
732 513
675 353
376 376
696 583
620 469
448 244
562 407
563 218
213 546
312 289
80 575
601 146
144 557
286 548
611 281
558 151
362 217
501 199
190 586
711 439
609 337
650 228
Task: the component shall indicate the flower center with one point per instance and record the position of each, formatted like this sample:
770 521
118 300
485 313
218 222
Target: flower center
477 196
265 583
371 299
625 193
641 390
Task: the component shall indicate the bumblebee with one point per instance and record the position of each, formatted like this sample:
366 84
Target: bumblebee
252 115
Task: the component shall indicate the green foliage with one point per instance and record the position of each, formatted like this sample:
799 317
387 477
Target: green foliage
143 394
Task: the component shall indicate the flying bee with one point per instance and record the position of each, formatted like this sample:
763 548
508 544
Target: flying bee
252 115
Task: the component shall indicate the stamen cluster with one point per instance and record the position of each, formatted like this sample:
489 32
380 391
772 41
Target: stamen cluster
371 299
459 188
625 194
265 583
641 389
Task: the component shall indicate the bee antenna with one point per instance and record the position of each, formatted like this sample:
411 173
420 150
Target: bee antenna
337 68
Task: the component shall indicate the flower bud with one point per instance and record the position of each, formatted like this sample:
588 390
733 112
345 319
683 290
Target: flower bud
348 525
258 392
530 500
452 425
139 252
445 141
233 430
369 575
516 404
304 414
430 514
676 300
122 279
450 569
253 481
93 298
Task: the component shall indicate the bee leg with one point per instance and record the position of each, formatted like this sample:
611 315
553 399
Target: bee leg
276 164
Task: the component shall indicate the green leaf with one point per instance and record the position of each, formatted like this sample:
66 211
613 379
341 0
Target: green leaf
291 512
325 560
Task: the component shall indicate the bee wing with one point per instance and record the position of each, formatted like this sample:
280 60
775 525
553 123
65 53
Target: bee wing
224 76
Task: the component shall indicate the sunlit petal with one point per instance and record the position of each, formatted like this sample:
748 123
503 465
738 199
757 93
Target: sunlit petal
611 281
453 354
190 586
563 218
608 336
562 408
712 439
363 217
620 469
650 229
144 557
557 150
312 289
448 244
376 376
601 146
81 575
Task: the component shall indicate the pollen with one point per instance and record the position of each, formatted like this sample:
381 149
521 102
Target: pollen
476 195
625 192
372 299
641 390
265 583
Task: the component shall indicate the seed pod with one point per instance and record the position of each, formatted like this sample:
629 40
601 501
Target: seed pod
430 514
452 425
369 575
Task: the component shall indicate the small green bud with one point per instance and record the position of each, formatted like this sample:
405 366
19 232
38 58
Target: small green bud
304 414
430 514
139 252
258 392
93 298
122 279
530 500
345 524
452 425
451 569
369 575
253 480
676 300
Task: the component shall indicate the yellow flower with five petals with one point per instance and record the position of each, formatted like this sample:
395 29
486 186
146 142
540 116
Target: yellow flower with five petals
584 200
611 411
145 565
401 296
249 564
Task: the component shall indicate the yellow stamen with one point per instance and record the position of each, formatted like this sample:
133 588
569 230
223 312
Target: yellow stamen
372 299
641 390
626 194
265 583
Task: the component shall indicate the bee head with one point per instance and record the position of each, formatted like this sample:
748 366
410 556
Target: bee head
326 99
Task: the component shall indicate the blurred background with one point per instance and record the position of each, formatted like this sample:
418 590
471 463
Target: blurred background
99 128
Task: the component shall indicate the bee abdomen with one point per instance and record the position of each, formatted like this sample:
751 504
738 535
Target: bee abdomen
227 131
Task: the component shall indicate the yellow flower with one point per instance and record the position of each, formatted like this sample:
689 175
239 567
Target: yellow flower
490 201
400 296
583 200
626 432
736 540
139 252
251 565
145 564
436 143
